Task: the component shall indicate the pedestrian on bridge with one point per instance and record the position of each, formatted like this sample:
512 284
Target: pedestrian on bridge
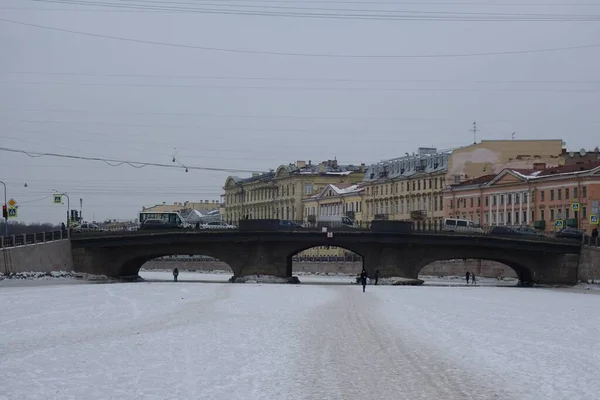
467 275
175 274
363 279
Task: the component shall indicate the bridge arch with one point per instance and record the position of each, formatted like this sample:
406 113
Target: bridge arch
524 268
185 262
128 263
327 258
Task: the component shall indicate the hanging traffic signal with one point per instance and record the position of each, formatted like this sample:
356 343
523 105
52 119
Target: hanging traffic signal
4 212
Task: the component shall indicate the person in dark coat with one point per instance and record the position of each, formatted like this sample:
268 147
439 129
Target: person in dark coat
363 279
376 277
467 275
175 274
595 233
473 278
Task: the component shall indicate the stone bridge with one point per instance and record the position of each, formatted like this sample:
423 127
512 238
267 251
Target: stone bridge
535 260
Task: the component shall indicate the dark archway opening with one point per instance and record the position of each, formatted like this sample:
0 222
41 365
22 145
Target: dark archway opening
192 267
326 261
486 271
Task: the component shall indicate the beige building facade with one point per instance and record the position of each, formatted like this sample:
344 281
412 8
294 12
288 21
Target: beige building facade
490 157
279 194
335 200
407 188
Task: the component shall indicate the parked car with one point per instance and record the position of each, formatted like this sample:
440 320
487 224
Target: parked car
503 230
460 225
156 225
569 233
87 228
285 224
217 225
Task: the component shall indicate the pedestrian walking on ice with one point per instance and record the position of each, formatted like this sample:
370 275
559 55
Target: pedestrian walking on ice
467 276
363 279
376 277
175 274
473 278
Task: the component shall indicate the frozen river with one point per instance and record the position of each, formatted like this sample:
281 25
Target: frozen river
161 340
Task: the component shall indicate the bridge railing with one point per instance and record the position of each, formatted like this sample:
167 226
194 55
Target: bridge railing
32 238
420 227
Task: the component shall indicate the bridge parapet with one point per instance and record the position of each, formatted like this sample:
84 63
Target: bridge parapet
364 227
32 238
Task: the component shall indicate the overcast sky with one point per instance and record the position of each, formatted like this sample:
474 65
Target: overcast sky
82 95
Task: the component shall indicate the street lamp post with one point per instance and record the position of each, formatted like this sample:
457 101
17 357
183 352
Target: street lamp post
5 206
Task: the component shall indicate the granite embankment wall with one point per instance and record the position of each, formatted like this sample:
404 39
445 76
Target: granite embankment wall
589 265
481 268
40 257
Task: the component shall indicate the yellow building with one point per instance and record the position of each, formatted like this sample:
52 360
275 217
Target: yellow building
333 200
278 194
490 157
202 206
407 188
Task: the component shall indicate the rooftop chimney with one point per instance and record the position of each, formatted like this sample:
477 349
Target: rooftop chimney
300 164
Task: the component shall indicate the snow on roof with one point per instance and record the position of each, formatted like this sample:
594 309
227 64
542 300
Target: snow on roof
346 188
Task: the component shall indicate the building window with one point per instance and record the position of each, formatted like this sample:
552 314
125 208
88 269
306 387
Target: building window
501 199
567 213
575 193
479 202
567 194
456 179
551 214
451 204
551 195
487 201
584 192
542 195
487 219
532 215
509 198
559 192
308 188
584 209
542 216
517 198
524 217
471 202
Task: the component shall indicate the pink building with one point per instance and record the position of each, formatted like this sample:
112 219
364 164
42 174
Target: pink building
547 198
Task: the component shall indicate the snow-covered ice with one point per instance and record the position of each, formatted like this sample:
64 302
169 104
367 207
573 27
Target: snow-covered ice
190 340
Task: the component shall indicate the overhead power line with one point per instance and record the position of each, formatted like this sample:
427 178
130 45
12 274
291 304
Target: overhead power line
295 79
115 162
254 116
291 54
390 2
302 88
287 11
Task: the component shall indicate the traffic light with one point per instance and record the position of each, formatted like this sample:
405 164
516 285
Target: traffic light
4 212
